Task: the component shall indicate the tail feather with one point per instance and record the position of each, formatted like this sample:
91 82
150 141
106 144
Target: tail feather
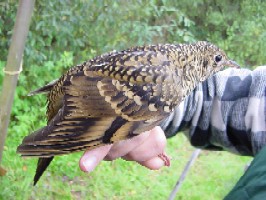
43 163
45 89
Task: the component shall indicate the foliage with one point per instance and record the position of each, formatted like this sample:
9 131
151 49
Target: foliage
87 28
67 32
238 27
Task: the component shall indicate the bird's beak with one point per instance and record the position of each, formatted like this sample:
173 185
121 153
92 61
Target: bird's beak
231 63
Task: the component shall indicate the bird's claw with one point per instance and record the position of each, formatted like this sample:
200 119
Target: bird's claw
166 159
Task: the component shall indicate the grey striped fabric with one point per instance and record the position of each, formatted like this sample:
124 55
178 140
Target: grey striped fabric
226 112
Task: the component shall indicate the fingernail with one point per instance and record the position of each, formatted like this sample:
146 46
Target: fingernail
90 163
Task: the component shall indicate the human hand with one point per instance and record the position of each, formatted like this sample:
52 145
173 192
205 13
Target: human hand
147 149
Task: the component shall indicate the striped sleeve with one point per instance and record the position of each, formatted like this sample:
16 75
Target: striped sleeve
226 112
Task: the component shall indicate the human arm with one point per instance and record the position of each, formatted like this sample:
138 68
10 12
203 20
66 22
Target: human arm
226 112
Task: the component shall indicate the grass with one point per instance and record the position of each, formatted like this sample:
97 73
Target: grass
211 177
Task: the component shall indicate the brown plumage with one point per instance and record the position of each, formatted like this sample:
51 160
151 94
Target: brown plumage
118 95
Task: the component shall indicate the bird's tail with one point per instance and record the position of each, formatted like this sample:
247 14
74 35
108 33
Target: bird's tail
43 163
45 89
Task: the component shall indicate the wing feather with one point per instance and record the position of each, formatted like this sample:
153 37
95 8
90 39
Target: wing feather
92 110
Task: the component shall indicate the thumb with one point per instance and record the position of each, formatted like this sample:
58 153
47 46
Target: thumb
91 158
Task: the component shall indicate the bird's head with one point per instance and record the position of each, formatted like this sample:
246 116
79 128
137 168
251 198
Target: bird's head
211 59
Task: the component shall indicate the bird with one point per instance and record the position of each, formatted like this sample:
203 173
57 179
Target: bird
118 95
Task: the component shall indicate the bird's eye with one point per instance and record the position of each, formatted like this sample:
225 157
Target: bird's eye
218 58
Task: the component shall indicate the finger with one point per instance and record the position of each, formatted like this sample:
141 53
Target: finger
153 164
150 148
91 158
122 148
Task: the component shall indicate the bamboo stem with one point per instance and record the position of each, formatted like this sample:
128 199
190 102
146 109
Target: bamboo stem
14 66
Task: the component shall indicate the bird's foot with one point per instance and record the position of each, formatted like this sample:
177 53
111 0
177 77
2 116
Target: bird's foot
166 159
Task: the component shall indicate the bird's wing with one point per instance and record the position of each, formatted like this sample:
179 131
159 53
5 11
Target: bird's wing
140 66
95 110
154 68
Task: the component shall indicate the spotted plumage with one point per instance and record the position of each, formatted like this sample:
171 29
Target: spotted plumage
118 95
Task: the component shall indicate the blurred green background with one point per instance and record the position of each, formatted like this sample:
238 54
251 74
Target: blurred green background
67 32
